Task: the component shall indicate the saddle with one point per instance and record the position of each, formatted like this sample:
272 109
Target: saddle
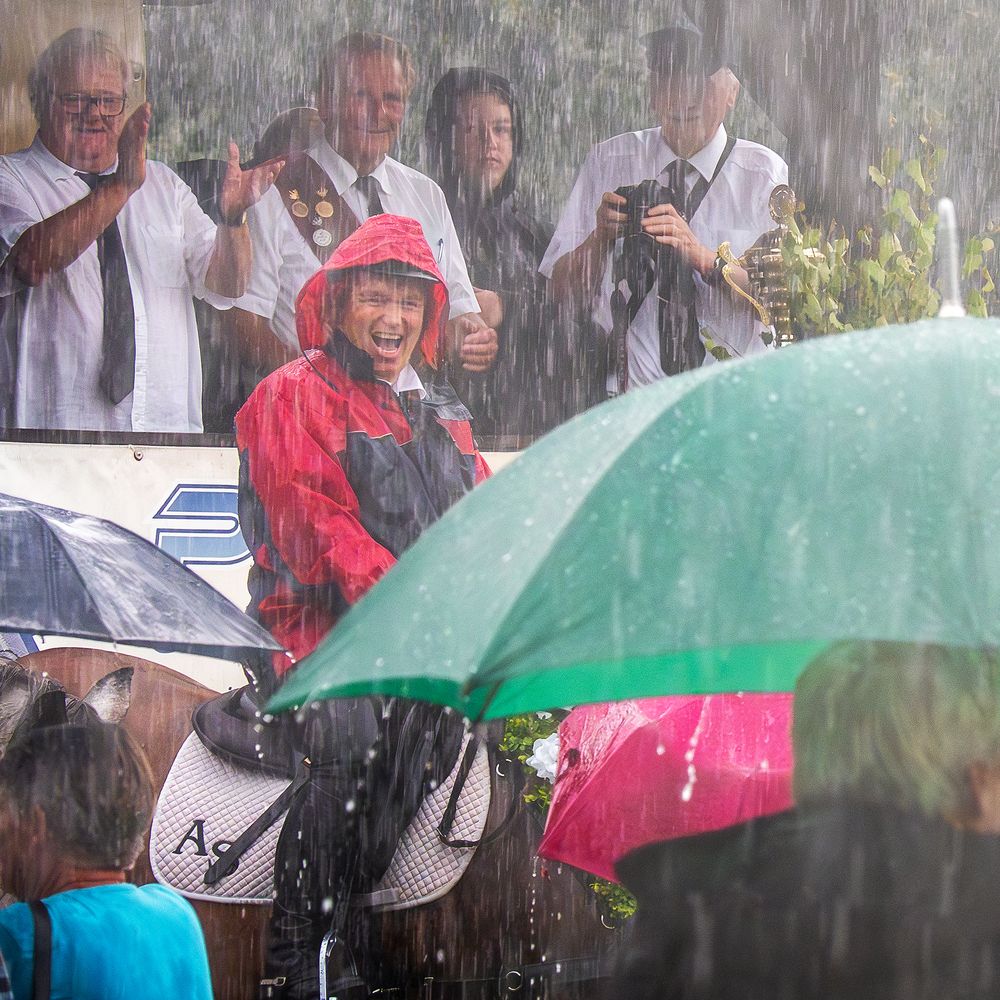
231 727
216 824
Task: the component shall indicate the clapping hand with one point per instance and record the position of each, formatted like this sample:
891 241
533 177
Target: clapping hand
243 188
131 170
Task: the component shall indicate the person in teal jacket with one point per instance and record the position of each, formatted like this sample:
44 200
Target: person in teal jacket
75 803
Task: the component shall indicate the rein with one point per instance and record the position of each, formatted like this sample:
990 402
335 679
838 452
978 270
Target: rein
517 780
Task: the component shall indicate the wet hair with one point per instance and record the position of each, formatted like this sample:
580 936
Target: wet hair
92 783
357 44
441 119
680 50
898 724
78 46
341 284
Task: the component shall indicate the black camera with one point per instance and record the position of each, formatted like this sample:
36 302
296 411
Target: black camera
639 199
643 260
644 265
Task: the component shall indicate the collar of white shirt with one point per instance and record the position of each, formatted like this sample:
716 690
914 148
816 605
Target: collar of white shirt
408 380
56 168
341 172
705 160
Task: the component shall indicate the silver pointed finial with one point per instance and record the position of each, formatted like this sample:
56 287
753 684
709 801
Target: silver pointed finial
949 276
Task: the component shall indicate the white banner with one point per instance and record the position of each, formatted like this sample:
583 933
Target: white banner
184 500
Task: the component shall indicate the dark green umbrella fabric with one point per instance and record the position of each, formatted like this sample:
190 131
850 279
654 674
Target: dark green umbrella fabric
711 532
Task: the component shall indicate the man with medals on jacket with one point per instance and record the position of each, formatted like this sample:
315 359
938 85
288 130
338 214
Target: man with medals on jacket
345 177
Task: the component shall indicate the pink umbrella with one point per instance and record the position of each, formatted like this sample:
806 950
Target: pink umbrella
634 772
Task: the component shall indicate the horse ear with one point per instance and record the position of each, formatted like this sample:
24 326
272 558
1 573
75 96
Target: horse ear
50 709
16 693
111 696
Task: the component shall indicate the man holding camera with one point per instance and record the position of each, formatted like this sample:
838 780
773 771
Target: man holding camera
638 238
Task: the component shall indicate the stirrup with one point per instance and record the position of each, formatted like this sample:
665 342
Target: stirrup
348 985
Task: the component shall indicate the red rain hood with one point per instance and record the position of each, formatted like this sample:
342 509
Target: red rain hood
381 238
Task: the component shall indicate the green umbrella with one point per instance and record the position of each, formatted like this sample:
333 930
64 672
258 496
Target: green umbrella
711 532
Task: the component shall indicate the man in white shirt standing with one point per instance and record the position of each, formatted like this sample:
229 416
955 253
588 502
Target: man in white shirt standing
100 254
344 178
658 308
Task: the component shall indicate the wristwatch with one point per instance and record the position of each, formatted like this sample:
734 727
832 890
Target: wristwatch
713 276
233 223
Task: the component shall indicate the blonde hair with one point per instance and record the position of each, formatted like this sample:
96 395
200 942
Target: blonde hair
897 723
363 43
75 47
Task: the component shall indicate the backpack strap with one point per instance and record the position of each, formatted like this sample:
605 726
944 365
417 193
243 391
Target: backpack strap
42 955
321 216
700 189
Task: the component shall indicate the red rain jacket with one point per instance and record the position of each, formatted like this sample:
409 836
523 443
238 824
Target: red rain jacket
337 478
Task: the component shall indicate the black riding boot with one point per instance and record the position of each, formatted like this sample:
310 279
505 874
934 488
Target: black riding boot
318 862
369 768
316 873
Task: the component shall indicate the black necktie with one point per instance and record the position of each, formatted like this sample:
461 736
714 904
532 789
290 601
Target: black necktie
117 378
676 176
681 347
368 187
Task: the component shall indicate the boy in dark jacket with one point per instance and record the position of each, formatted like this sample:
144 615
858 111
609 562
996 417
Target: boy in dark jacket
543 373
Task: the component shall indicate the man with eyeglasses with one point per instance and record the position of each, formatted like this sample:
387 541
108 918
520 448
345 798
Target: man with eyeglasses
101 252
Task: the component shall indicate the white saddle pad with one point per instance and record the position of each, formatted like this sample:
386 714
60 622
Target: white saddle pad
206 803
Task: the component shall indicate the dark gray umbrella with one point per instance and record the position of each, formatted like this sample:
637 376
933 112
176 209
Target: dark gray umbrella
64 573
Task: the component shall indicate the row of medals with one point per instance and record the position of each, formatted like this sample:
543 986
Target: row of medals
322 212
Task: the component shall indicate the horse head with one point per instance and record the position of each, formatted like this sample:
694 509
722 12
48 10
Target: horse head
29 699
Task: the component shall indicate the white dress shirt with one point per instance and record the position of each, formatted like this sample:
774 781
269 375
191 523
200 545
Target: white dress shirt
168 243
734 209
408 381
283 261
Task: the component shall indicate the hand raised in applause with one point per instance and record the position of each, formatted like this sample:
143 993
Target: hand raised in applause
472 342
131 170
490 307
243 188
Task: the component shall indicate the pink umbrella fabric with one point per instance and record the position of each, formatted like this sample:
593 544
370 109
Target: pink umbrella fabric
634 772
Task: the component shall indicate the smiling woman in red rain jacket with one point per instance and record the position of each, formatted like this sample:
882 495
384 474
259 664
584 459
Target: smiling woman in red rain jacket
346 455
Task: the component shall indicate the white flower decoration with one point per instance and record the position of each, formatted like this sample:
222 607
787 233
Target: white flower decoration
545 757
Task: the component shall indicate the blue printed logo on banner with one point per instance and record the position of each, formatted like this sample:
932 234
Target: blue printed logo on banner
208 528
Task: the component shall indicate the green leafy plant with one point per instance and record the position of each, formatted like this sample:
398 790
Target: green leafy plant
884 274
520 734
618 903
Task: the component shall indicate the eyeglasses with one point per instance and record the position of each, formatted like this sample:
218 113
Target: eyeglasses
108 105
